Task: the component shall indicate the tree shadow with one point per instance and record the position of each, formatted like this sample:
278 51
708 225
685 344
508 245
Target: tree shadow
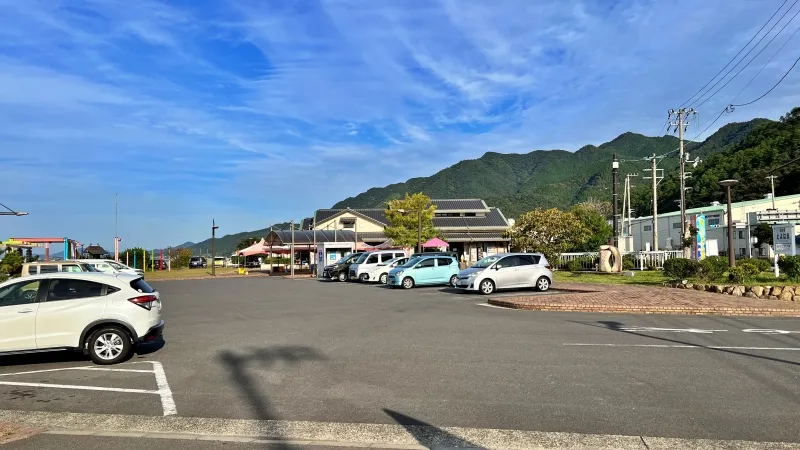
618 326
427 434
238 364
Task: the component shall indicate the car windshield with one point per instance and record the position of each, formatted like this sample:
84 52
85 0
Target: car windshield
116 266
363 257
485 262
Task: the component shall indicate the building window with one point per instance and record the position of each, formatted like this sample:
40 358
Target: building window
741 251
713 221
676 225
741 234
648 228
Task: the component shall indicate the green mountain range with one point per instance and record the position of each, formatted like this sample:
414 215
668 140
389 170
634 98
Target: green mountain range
225 245
517 183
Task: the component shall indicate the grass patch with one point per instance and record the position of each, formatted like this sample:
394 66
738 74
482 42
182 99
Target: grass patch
189 273
641 277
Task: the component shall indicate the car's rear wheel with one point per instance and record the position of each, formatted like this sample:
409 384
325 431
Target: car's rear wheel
408 283
342 276
453 281
486 287
384 278
543 284
109 345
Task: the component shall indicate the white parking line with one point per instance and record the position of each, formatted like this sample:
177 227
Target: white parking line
163 391
669 330
713 347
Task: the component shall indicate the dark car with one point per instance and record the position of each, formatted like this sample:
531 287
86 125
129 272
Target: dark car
197 262
160 264
340 269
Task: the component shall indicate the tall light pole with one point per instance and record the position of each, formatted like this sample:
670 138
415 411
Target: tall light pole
772 183
614 198
213 237
11 212
731 255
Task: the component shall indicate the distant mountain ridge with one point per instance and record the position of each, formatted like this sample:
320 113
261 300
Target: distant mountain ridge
517 183
225 245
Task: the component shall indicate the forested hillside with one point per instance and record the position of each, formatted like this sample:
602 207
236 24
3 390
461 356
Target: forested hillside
548 178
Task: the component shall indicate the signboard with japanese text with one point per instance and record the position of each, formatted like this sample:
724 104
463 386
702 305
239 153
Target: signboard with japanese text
783 237
700 239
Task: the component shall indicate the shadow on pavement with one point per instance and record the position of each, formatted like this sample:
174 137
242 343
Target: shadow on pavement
240 363
427 434
146 348
42 358
618 326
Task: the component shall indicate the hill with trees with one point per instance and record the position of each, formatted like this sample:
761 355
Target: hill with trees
225 245
517 183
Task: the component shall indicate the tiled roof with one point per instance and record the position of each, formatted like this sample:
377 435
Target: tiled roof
460 204
372 213
494 218
95 250
372 236
473 237
307 223
304 237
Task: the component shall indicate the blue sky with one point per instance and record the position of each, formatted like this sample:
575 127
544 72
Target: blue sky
256 112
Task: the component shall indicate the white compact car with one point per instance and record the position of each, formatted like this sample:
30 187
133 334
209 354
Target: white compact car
380 273
507 271
111 267
360 269
98 314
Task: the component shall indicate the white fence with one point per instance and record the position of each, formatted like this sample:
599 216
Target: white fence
643 260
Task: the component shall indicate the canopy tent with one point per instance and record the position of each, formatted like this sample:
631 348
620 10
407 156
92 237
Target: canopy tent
260 248
436 243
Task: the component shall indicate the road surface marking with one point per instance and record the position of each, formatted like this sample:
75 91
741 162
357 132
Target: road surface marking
668 330
768 331
163 391
713 347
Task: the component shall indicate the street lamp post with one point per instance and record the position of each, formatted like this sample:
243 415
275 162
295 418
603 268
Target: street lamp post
731 255
11 212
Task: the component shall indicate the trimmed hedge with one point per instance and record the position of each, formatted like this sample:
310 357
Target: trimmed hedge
790 265
680 268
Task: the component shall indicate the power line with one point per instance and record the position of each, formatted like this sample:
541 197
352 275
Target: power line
748 53
766 64
735 56
773 87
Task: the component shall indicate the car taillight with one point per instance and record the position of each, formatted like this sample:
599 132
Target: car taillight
145 301
547 267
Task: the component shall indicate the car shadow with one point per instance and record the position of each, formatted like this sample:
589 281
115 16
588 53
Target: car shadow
146 348
43 358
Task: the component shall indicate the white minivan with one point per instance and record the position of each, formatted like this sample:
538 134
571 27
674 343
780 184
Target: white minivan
361 269
111 267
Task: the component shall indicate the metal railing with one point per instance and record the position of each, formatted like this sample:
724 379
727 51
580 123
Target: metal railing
643 260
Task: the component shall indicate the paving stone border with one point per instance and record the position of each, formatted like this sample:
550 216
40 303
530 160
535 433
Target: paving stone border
783 293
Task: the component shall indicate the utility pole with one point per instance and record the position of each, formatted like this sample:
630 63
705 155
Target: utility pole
291 271
772 183
681 125
654 176
627 210
116 229
614 198
213 237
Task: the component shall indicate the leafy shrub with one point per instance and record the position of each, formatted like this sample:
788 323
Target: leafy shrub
11 264
762 264
680 268
574 266
743 271
711 268
628 262
790 265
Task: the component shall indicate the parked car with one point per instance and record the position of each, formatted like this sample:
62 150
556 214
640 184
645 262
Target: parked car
507 271
111 267
340 269
359 271
424 270
380 273
37 267
197 262
219 261
160 264
99 314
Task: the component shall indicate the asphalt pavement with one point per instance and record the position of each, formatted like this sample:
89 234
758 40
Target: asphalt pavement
304 350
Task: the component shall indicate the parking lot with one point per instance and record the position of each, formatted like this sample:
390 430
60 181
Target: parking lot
306 350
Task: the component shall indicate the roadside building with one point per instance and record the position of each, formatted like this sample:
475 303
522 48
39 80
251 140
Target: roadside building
745 219
95 252
469 226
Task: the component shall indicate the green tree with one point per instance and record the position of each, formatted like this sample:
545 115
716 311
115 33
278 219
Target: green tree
246 242
11 264
548 231
179 258
763 232
127 257
404 216
599 231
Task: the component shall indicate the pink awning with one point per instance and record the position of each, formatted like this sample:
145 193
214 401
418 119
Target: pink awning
436 243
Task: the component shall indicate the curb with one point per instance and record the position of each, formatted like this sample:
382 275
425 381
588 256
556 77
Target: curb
680 310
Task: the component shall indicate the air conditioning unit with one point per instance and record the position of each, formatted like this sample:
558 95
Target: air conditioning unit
715 203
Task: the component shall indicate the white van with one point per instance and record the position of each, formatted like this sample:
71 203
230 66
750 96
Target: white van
112 267
361 269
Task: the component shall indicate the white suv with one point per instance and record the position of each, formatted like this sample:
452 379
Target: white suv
101 315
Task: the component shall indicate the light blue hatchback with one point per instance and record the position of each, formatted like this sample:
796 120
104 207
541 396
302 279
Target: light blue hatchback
424 271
